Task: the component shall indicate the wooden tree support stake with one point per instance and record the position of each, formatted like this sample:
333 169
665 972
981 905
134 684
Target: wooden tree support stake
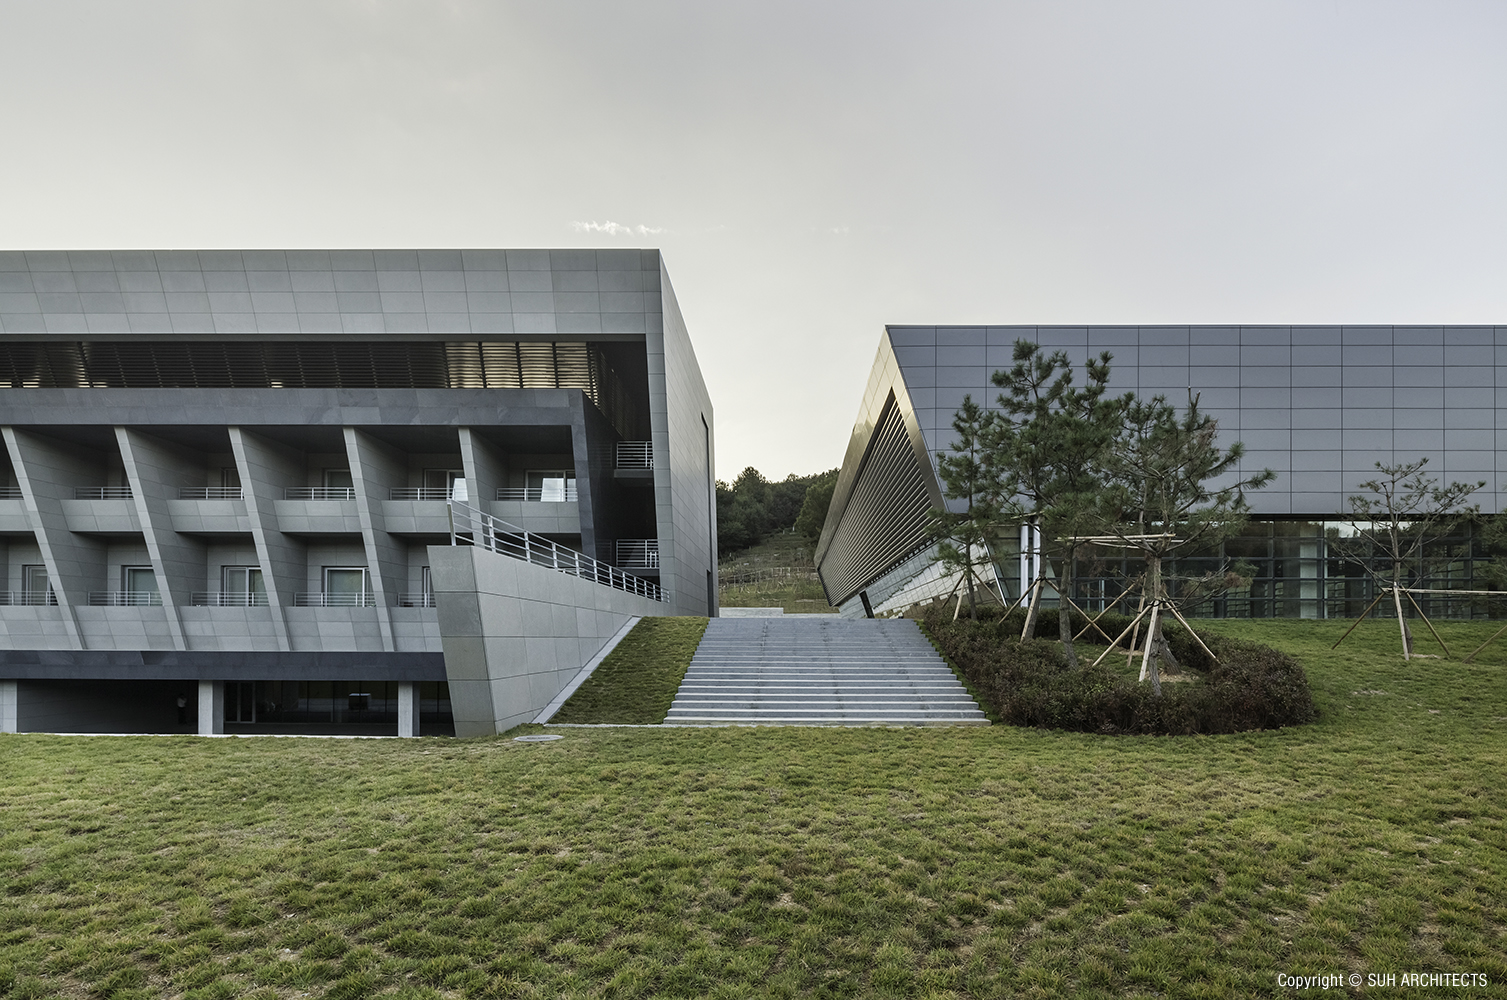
1426 622
1094 623
1173 608
1362 618
1488 642
1122 635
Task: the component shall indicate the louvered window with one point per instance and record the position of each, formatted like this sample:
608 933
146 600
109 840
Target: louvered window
886 515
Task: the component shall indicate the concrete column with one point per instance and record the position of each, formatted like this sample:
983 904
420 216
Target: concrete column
267 469
211 708
9 712
375 470
408 708
156 470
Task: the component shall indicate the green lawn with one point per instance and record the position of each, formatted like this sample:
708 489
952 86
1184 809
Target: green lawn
780 862
637 681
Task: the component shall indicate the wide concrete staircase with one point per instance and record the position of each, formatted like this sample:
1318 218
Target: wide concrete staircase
820 671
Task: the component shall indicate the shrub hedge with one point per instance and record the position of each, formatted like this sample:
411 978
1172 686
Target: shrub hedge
1251 686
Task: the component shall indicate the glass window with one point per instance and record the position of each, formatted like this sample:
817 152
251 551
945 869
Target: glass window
34 586
442 479
140 585
230 477
554 485
243 585
345 585
338 479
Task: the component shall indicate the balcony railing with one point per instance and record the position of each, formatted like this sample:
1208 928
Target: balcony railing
635 455
334 600
415 600
638 553
35 598
538 493
472 527
319 493
125 598
216 599
211 493
420 493
10 493
102 493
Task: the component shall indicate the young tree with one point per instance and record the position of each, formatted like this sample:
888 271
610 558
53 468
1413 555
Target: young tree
968 475
1050 441
1160 497
1402 513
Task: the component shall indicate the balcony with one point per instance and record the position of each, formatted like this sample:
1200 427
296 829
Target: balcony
635 455
125 599
420 493
415 601
214 599
539 494
28 598
638 553
10 493
334 601
211 493
102 493
319 493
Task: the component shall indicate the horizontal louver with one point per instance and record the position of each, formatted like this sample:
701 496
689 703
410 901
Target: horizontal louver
886 516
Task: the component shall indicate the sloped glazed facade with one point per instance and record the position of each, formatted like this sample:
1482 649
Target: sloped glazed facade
1318 405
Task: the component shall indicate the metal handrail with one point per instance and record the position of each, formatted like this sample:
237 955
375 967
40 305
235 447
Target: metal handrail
635 454
10 493
219 599
536 493
211 493
638 553
33 598
125 598
102 493
319 493
334 600
421 600
419 493
472 527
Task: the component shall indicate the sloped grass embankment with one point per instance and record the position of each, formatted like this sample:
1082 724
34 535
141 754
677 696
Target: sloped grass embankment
964 862
637 681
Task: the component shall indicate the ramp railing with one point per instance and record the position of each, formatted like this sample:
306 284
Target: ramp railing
470 526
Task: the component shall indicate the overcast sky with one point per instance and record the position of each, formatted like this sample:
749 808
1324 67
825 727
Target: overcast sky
811 170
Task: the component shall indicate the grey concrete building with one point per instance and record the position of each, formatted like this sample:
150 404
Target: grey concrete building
225 472
1319 405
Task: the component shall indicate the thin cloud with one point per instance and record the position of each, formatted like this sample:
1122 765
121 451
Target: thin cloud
611 228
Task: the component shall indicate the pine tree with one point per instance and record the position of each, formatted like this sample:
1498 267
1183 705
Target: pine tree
1160 496
968 476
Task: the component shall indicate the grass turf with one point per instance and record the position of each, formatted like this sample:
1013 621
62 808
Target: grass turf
780 862
637 681
776 573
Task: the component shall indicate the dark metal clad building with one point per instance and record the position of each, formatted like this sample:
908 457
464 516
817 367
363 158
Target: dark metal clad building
223 471
1319 405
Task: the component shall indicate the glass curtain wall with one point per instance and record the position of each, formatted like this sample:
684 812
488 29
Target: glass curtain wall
1298 569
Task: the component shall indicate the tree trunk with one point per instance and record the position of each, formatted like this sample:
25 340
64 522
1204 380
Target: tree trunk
1148 661
973 610
1407 637
1064 616
1156 641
